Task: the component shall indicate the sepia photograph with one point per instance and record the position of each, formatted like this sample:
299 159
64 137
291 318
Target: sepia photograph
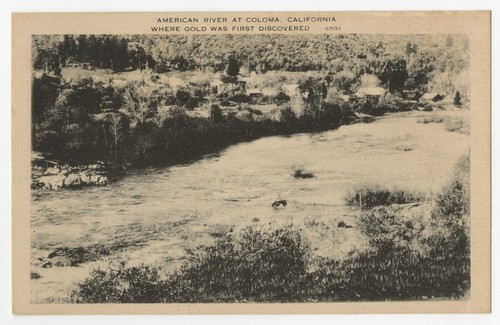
249 168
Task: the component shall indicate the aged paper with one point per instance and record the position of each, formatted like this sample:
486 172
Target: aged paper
243 162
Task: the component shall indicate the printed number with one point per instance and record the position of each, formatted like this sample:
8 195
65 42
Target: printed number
332 28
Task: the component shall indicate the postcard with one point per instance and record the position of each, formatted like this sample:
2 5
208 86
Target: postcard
251 162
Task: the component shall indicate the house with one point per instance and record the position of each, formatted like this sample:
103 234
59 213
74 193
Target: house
432 97
255 93
371 94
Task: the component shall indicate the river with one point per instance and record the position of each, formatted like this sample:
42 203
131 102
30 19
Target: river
161 215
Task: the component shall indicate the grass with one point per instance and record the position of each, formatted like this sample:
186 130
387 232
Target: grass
121 284
399 274
370 197
388 229
430 119
451 124
409 258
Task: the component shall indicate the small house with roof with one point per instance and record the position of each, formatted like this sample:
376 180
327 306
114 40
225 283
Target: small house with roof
255 93
432 97
371 94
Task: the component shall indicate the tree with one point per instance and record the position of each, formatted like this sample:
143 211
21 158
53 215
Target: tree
393 74
457 100
138 103
215 114
233 66
344 81
115 126
315 91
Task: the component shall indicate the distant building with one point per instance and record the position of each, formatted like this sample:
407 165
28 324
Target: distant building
432 97
371 94
254 93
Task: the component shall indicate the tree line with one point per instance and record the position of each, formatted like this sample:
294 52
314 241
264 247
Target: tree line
422 62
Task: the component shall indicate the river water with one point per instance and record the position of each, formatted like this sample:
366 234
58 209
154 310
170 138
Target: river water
160 215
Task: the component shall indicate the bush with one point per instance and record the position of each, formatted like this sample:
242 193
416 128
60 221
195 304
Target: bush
451 214
369 197
387 230
121 284
399 274
371 109
254 266
287 116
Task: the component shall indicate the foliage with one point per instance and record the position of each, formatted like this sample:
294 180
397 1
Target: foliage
457 100
398 274
370 197
424 63
255 266
123 115
233 66
451 214
121 284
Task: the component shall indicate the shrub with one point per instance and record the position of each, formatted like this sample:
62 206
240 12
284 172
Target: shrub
369 197
398 274
371 109
121 284
254 266
451 214
287 116
387 230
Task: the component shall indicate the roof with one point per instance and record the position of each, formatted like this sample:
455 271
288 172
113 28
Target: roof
254 91
370 91
429 95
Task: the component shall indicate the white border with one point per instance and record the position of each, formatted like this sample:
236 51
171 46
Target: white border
9 6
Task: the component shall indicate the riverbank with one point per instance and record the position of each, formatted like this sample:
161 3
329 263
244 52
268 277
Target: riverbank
52 175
